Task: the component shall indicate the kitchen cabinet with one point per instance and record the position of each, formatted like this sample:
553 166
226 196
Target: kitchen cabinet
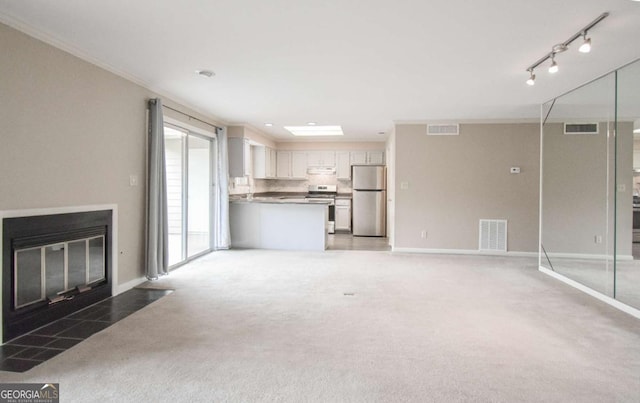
239 151
291 165
367 157
287 226
283 164
272 163
321 159
343 214
299 164
264 162
343 165
375 157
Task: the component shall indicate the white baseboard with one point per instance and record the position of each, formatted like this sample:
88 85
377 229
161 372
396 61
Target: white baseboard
464 252
604 298
120 288
587 256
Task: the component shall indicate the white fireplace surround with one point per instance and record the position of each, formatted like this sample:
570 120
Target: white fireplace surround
115 289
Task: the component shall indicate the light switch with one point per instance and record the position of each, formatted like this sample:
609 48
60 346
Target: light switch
404 185
515 170
133 180
622 188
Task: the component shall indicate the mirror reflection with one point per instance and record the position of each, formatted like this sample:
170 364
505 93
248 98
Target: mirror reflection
589 186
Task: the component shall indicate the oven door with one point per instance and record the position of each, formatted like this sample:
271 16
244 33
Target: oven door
331 213
332 218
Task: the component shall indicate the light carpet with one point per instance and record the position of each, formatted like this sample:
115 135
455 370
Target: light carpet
351 326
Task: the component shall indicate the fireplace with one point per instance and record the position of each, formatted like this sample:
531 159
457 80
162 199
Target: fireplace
52 266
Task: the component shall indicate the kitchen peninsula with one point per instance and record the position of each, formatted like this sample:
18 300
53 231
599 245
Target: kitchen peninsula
278 222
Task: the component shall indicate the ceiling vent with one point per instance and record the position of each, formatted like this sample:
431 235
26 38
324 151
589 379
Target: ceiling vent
581 128
443 130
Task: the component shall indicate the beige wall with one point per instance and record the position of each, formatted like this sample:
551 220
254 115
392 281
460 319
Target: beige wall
454 181
71 135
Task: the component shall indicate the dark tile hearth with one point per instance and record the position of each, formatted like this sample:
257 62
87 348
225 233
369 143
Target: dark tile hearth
25 352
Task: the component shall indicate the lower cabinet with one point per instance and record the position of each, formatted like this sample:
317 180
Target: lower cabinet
343 214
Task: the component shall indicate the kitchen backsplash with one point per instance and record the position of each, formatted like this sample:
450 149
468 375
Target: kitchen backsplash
286 185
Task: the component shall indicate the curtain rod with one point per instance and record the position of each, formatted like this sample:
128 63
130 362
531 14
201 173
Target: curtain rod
192 117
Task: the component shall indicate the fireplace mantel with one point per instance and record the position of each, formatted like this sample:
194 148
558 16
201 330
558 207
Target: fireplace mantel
113 256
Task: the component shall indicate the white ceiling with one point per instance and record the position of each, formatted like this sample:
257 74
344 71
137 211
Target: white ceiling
362 64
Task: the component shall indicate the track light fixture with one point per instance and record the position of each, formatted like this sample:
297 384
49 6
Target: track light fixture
532 78
553 68
585 47
586 44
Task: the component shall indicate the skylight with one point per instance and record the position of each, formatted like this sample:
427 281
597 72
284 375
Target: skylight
315 130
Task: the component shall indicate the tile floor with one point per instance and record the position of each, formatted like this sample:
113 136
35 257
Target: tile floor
25 352
340 241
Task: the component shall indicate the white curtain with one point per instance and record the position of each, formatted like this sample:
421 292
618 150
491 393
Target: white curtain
222 236
157 255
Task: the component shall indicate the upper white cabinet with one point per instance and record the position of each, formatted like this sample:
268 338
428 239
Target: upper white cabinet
343 165
283 164
291 164
298 164
367 157
239 157
272 162
375 157
321 159
264 162
358 157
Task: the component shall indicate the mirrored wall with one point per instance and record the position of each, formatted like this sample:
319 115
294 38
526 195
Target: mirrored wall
591 185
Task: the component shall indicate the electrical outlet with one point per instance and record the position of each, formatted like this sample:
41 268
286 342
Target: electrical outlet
404 185
423 234
598 239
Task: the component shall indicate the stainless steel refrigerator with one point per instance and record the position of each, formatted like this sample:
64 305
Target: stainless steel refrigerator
369 200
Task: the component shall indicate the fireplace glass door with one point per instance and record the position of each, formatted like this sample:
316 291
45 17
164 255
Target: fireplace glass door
50 272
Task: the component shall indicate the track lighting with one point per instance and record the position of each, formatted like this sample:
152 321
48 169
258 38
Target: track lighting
585 47
586 44
554 66
532 78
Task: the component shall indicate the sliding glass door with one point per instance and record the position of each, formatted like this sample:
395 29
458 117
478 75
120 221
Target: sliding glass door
198 195
188 159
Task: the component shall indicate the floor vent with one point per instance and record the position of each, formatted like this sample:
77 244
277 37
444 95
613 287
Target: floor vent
443 130
581 128
493 235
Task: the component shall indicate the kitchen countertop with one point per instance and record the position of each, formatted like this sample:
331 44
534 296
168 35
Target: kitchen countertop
282 197
276 200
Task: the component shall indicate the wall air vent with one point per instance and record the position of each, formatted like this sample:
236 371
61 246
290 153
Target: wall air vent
493 235
581 128
443 130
